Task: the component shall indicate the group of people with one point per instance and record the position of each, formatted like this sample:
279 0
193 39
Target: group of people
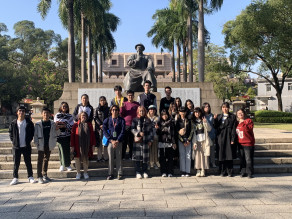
173 136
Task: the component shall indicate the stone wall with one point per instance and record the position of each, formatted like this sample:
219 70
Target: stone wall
70 93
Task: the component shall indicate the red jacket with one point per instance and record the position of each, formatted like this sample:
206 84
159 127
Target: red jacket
75 139
245 134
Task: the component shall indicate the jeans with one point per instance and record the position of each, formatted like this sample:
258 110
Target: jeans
112 152
128 140
26 151
43 161
185 157
246 159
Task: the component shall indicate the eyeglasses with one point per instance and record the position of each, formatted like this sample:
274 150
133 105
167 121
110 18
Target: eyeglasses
21 110
115 110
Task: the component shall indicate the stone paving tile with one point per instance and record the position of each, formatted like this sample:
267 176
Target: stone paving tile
11 207
162 185
77 199
123 186
110 205
22 215
286 215
165 197
53 206
184 190
119 213
133 197
183 211
190 204
210 216
160 217
229 202
251 195
66 214
269 208
208 195
255 216
60 194
108 192
226 210
83 188
22 201
143 191
143 204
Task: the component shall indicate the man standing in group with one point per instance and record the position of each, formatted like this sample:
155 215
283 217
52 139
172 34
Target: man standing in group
167 100
147 98
21 132
118 99
129 112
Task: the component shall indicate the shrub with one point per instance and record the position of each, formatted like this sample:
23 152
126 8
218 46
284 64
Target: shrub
271 116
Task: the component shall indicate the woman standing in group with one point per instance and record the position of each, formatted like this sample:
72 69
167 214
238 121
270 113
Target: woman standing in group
64 121
84 106
189 105
165 131
246 142
82 142
152 115
101 113
185 129
206 108
225 125
178 103
202 142
172 111
143 138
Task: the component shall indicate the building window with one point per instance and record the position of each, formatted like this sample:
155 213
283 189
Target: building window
268 87
289 86
159 61
114 62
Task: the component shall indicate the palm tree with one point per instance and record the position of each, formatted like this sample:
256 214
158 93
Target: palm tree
67 5
215 5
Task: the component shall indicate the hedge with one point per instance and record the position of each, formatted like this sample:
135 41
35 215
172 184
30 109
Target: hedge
271 116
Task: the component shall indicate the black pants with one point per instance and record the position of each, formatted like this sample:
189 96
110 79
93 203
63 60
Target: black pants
141 167
246 159
226 166
26 151
128 140
166 160
43 161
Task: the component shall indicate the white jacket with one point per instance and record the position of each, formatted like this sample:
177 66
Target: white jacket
39 136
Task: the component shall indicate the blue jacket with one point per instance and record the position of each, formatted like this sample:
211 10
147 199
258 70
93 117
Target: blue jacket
108 128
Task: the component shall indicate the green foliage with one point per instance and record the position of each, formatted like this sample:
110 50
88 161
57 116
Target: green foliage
270 116
251 93
262 34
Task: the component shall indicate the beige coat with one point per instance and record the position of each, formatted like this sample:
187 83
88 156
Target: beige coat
208 142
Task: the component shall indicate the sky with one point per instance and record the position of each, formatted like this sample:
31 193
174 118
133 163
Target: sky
135 16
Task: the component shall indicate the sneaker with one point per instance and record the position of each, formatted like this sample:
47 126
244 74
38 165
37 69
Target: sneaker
61 168
164 175
31 179
152 165
170 175
47 179
138 176
187 175
203 173
69 168
78 176
198 173
119 177
145 175
86 176
182 175
110 177
40 180
158 164
14 181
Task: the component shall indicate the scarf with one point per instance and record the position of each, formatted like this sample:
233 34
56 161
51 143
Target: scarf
120 104
84 139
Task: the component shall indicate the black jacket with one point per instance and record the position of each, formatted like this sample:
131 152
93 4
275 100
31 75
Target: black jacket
75 113
166 132
100 114
14 134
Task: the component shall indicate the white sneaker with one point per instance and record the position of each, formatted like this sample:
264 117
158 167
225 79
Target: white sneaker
145 175
31 179
61 168
40 180
170 175
164 175
138 176
198 173
187 175
14 181
182 175
68 168
202 173
86 176
78 176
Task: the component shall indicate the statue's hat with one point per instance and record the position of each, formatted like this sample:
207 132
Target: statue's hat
140 44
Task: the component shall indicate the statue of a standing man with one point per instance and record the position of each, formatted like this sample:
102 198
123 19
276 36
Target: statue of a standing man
142 69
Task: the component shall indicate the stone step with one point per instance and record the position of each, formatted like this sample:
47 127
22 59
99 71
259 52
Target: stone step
274 146
130 171
272 140
8 150
273 153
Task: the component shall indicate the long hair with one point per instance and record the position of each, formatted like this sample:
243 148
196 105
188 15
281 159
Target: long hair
189 101
198 110
80 114
177 107
243 111
103 98
85 95
203 107
61 105
164 112
138 109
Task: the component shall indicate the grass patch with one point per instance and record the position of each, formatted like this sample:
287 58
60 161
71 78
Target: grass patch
282 126
3 130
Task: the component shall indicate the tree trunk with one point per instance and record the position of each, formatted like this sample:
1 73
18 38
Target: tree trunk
83 49
201 43
100 66
178 62
173 63
185 63
190 47
95 73
279 97
71 43
89 55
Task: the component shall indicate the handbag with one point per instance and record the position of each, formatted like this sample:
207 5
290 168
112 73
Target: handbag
138 139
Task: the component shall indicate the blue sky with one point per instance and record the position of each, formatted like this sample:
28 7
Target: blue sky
135 18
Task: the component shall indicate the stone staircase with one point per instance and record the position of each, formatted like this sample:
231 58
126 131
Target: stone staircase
271 156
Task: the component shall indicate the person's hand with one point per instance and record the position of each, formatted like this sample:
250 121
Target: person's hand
215 116
71 150
186 143
232 142
204 119
195 146
156 126
174 146
100 126
141 134
149 144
